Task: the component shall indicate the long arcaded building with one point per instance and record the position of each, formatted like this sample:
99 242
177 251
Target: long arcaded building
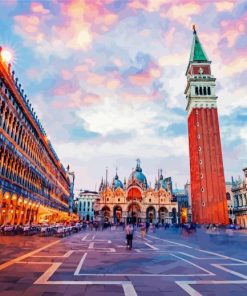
34 186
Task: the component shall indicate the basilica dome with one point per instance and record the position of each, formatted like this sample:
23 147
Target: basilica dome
117 183
138 177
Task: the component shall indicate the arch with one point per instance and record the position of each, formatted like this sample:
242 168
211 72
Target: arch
117 214
240 201
244 200
163 215
150 214
134 193
134 212
106 212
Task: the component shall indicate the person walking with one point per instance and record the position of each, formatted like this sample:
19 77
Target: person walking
143 231
129 235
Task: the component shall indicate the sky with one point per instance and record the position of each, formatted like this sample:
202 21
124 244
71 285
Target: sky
107 79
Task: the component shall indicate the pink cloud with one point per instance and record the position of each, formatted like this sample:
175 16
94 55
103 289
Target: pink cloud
224 5
95 79
38 8
64 88
146 77
233 29
131 97
141 79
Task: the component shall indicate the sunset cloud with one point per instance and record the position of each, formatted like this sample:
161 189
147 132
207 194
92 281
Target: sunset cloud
107 78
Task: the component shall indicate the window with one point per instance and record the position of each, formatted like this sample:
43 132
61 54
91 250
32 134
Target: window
107 199
228 196
209 91
197 93
150 200
119 200
200 90
204 90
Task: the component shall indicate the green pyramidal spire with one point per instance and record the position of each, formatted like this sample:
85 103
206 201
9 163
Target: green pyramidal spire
197 53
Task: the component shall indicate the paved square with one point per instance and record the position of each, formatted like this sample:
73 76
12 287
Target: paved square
98 263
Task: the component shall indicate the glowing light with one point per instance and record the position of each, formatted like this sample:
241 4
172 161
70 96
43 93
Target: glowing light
7 55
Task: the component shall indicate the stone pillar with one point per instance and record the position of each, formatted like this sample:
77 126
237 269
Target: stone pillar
24 215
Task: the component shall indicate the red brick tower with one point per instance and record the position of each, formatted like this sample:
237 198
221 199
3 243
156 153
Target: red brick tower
208 191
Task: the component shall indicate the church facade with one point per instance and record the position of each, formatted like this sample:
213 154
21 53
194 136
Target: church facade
135 201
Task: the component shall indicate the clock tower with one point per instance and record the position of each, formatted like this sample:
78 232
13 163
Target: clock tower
208 191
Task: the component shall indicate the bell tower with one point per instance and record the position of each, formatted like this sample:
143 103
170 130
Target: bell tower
208 191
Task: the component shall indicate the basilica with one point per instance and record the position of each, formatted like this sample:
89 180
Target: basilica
135 201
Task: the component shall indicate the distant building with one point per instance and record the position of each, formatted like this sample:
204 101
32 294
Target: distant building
183 205
135 201
71 176
85 204
230 202
239 190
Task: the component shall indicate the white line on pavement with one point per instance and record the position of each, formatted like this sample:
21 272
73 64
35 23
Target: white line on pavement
151 246
128 288
78 269
66 255
207 271
15 260
84 238
165 240
185 285
230 271
91 245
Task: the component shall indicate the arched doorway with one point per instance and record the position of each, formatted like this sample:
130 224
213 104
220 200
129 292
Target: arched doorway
134 213
117 213
150 214
163 215
107 213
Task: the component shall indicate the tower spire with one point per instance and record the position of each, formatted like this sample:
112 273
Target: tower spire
197 53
